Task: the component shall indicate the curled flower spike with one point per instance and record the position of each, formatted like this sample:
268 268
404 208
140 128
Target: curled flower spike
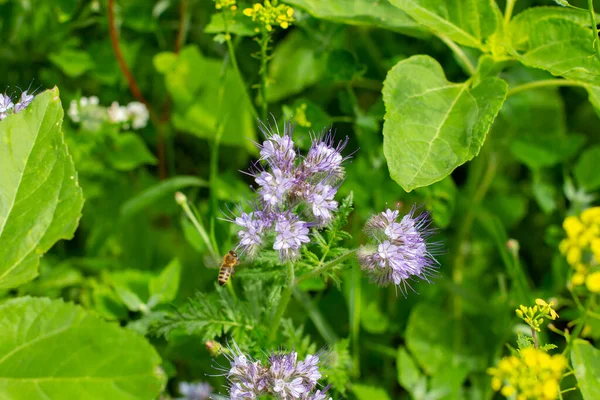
402 253
195 391
295 192
283 378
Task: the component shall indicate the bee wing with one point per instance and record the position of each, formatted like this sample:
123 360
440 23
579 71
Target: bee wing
211 262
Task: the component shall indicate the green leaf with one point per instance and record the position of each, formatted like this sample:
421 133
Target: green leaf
132 287
410 376
431 125
295 66
468 22
545 151
557 40
164 287
208 99
129 152
372 319
362 12
55 350
72 62
240 25
586 363
440 200
586 169
40 198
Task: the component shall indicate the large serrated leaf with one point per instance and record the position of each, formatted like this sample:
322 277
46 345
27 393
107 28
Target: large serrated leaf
55 350
468 22
586 364
40 198
362 12
431 125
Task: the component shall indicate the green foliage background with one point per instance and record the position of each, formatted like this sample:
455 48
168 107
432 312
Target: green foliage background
450 105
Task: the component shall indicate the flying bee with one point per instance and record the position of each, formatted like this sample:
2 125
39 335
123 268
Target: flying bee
230 260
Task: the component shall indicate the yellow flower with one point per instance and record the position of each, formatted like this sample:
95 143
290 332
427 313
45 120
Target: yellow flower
231 4
534 316
581 247
532 375
592 282
268 15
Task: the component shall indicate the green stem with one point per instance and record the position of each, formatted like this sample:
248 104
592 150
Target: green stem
326 266
213 175
458 51
283 302
543 83
355 304
595 42
510 5
535 338
580 325
264 57
199 227
234 63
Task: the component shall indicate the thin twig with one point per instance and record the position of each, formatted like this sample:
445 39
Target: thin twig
183 7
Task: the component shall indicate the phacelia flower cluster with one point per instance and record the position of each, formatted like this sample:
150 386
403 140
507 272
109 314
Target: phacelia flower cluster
8 105
295 192
268 15
195 391
284 377
401 252
88 112
582 248
532 374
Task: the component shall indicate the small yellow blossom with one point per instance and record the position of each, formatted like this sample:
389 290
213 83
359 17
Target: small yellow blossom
532 375
534 316
268 15
592 282
581 247
222 4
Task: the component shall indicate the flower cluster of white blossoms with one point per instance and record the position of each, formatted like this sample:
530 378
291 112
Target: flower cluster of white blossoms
7 105
89 112
283 378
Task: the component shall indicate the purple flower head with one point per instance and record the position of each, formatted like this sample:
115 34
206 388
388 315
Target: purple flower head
278 149
253 227
24 101
403 252
247 377
274 187
321 202
195 391
291 233
6 105
324 158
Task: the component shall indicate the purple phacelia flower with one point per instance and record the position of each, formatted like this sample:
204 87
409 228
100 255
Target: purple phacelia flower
195 391
24 101
282 378
322 203
6 105
291 233
402 253
294 192
273 187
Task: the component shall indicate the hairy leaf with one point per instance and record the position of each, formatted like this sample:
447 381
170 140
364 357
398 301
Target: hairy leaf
55 350
468 22
431 125
40 198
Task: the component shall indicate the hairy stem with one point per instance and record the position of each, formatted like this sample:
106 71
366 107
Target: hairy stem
595 42
543 83
535 338
458 51
264 58
283 302
326 266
